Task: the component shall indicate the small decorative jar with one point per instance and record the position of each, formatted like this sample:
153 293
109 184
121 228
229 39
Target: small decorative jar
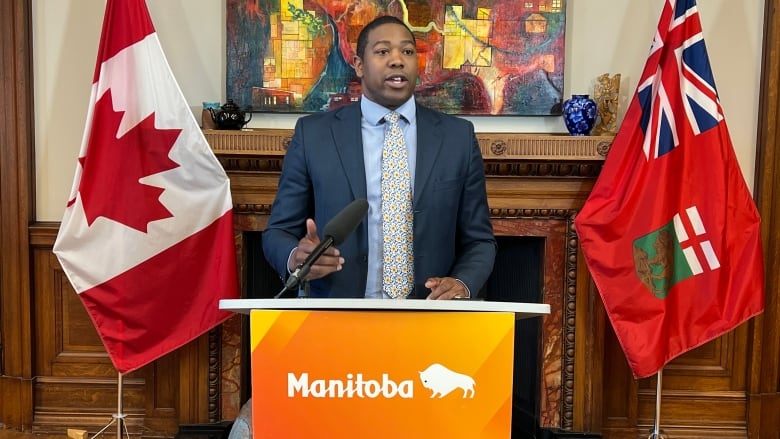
579 114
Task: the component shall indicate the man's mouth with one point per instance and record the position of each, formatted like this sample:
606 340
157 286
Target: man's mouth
396 79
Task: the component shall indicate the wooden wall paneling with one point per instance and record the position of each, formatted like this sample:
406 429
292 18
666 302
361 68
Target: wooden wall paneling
17 189
703 390
76 383
589 352
764 374
193 382
178 388
619 405
160 391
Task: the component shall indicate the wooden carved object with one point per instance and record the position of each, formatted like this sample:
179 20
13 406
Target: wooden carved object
605 93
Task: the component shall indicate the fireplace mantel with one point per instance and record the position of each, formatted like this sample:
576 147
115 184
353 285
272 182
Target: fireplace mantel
535 182
502 146
555 171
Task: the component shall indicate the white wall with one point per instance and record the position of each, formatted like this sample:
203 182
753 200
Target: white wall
601 36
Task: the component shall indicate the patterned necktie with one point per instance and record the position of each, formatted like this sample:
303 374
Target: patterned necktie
398 264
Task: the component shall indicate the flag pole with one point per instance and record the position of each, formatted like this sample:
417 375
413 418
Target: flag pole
657 433
118 417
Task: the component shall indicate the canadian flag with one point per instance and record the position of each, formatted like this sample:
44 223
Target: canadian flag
147 236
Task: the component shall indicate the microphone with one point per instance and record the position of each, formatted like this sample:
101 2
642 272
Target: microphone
336 231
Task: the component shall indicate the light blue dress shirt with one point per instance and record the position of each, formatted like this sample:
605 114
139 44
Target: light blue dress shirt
373 131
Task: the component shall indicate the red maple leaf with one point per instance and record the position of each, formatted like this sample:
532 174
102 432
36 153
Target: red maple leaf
112 168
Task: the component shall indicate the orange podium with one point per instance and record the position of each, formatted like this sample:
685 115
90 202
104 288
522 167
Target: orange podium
338 368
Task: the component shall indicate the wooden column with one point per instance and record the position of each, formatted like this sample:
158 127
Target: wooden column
17 189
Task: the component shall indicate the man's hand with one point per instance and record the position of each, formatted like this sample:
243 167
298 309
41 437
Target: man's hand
327 263
446 288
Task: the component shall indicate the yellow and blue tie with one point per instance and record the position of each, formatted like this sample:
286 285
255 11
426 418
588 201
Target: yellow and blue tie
397 217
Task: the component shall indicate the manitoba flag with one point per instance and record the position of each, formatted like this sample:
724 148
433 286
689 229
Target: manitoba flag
670 232
147 236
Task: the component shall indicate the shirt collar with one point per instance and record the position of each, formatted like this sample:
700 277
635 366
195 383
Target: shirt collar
374 113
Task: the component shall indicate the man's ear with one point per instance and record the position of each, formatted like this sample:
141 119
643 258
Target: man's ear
358 63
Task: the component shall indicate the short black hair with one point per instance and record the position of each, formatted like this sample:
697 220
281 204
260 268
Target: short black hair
362 41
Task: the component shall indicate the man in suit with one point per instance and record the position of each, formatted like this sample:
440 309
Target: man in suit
335 158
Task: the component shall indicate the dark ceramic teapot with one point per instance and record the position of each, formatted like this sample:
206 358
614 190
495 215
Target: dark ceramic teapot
230 116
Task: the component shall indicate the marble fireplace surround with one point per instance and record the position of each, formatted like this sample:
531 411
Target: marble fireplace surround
536 183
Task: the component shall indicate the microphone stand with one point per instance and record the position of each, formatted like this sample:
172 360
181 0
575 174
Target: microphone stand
302 270
306 290
279 294
295 278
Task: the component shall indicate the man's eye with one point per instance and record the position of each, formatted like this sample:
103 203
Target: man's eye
382 52
409 52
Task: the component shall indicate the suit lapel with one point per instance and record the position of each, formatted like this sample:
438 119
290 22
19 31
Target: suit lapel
348 138
429 144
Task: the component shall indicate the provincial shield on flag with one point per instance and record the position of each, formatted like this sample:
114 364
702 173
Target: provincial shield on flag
667 256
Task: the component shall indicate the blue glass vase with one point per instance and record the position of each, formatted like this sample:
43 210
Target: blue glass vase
579 114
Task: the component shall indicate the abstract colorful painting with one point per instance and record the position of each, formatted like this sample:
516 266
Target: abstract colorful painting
476 57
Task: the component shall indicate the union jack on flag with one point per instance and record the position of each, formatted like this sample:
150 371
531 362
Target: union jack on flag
677 76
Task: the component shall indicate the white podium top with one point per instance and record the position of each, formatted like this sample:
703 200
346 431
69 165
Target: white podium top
521 310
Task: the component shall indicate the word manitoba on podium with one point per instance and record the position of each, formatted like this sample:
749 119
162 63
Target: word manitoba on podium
387 369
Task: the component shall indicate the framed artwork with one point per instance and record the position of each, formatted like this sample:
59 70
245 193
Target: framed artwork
476 57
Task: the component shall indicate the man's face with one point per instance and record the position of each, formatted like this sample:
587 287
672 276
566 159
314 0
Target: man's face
388 69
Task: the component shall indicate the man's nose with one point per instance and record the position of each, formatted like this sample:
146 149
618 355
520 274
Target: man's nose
396 59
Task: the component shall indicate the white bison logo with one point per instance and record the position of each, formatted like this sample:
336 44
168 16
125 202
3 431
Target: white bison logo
442 381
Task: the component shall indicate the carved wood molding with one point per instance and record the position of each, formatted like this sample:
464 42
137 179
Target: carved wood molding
569 302
214 376
252 209
521 168
505 154
505 213
569 320
494 167
501 146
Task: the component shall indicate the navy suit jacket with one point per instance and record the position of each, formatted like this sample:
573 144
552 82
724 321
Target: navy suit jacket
323 172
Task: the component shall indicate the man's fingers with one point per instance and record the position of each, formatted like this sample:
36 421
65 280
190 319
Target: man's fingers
311 230
445 288
325 265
